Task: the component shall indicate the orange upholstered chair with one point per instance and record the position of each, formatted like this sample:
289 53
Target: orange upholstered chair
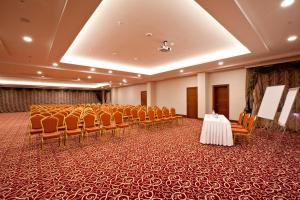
90 125
174 116
134 115
35 125
61 120
106 122
118 116
50 130
141 116
150 121
166 115
72 129
244 123
127 113
159 116
240 122
245 132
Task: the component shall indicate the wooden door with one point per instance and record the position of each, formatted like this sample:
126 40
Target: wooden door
144 98
221 99
192 102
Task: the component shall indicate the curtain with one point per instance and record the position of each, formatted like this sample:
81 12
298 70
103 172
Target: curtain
20 99
258 79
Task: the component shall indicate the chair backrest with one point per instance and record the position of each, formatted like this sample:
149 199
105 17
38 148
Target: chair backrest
127 111
118 116
50 124
246 120
159 113
166 112
71 122
251 124
142 115
241 117
36 121
46 114
61 119
151 115
134 113
173 112
89 120
105 119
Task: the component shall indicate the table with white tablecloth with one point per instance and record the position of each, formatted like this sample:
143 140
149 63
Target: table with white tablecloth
216 129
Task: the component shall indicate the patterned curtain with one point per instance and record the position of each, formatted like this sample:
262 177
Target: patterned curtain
20 99
258 79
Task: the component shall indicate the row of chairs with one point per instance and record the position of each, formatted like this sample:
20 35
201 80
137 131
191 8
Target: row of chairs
244 127
83 121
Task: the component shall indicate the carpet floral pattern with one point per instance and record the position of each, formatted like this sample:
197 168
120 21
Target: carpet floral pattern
168 163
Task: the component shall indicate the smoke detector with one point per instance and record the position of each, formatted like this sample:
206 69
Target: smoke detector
164 47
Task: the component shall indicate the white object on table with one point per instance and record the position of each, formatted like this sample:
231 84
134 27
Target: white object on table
216 129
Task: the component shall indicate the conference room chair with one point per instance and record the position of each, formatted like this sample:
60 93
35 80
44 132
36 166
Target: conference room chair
150 120
120 124
245 132
50 130
141 117
240 121
127 113
244 123
61 119
72 128
90 125
166 115
106 123
134 116
35 125
159 117
175 116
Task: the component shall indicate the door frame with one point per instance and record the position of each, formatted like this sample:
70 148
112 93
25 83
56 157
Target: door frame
187 101
213 96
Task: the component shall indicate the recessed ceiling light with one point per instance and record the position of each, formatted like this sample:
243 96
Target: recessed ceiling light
43 76
92 69
139 75
124 80
27 39
89 77
287 3
181 71
292 38
78 79
220 63
39 72
135 58
120 83
109 71
148 34
54 64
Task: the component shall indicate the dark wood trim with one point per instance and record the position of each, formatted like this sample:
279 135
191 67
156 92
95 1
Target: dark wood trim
213 96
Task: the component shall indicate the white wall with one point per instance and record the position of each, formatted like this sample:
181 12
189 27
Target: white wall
130 94
172 93
237 88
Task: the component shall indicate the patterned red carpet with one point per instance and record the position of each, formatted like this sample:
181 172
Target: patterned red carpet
143 164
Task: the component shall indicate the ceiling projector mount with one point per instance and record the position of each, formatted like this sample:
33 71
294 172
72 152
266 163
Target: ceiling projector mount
164 47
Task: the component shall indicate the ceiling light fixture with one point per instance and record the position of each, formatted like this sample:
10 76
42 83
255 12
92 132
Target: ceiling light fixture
27 39
78 79
287 3
39 72
181 71
93 69
139 75
220 63
292 38
109 71
89 77
120 83
148 34
54 64
42 76
124 80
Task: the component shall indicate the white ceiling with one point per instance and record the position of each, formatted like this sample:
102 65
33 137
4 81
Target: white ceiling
261 26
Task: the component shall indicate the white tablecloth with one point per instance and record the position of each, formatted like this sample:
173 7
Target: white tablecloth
216 131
